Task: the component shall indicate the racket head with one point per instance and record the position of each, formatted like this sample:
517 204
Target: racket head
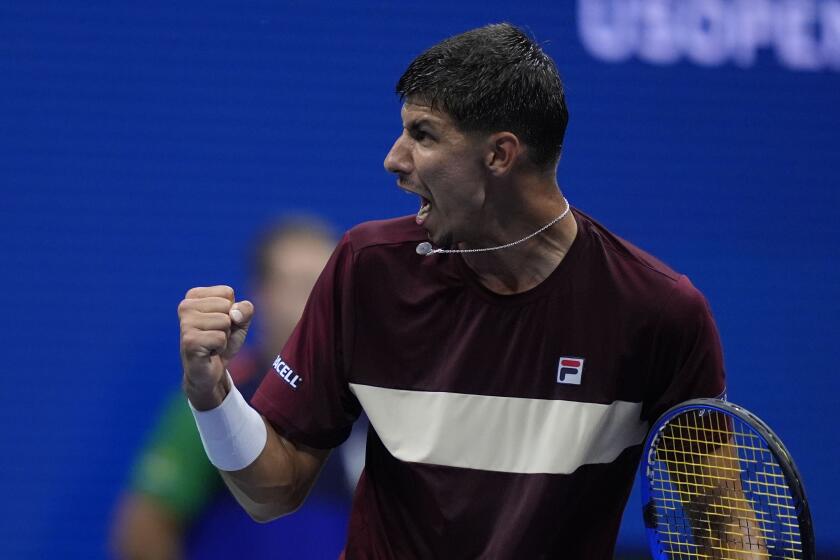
787 532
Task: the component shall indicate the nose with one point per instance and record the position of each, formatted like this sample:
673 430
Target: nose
398 159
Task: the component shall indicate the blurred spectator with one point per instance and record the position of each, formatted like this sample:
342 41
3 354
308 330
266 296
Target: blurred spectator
176 505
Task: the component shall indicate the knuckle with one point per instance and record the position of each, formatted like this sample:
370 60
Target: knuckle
221 303
187 327
219 339
188 339
184 306
226 292
193 340
213 292
193 292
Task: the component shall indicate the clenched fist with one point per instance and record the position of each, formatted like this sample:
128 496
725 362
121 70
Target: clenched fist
213 329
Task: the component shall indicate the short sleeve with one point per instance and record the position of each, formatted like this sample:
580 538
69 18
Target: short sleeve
687 360
305 394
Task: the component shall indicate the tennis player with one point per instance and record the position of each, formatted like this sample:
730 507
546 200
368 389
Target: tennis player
508 349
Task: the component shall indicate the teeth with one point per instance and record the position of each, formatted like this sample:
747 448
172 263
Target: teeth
423 212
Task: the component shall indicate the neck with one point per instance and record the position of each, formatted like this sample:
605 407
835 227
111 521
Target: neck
523 266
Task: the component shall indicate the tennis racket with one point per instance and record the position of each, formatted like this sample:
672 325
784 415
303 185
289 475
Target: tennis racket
717 483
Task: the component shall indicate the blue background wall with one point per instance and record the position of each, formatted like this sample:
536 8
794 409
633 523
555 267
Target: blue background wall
142 144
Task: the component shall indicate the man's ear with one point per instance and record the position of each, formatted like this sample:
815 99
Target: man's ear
503 149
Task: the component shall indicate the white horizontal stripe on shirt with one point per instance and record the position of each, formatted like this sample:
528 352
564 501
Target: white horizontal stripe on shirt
503 434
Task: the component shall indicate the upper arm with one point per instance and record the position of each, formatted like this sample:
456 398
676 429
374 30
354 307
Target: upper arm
686 358
306 394
305 398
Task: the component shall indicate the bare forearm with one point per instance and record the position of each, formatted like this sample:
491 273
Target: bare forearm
724 521
731 537
278 481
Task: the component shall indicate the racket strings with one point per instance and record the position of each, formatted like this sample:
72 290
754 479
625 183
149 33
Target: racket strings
719 492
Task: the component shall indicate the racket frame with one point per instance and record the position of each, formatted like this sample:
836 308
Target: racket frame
775 445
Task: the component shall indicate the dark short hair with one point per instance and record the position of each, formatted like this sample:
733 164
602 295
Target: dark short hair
491 79
284 229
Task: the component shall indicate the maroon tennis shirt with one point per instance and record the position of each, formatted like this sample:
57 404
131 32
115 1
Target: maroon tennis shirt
502 426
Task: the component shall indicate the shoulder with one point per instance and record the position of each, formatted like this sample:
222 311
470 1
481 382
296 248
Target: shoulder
394 231
371 250
637 276
624 255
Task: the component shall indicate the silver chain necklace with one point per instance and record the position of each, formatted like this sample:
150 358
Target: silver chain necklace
425 248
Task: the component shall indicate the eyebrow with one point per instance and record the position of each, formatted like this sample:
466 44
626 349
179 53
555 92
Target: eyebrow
422 121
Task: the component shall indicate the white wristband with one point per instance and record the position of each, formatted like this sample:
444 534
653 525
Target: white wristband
233 433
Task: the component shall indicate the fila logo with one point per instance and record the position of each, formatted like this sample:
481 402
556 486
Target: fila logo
286 373
570 371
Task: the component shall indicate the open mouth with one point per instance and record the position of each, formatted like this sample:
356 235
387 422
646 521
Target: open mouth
423 213
425 204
